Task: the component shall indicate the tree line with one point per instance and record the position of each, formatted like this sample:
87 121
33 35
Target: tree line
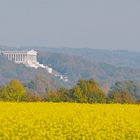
85 91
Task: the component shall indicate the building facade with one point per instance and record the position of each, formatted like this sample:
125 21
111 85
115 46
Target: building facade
21 56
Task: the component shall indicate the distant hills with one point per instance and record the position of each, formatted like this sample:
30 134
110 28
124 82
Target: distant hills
76 67
120 58
106 66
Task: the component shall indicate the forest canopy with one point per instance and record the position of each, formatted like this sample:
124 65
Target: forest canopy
85 91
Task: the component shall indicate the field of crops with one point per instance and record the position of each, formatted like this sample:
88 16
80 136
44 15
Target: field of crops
40 121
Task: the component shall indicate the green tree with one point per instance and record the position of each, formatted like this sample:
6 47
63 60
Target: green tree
120 97
131 87
88 91
62 95
13 91
52 96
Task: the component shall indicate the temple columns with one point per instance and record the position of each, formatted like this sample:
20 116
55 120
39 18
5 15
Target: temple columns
21 57
16 57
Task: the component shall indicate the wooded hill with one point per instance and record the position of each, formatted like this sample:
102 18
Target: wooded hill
118 58
76 67
37 80
107 67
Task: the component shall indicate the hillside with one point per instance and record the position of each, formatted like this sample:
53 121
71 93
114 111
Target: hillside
10 70
76 64
133 88
76 68
118 58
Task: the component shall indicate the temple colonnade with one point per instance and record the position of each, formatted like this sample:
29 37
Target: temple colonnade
21 57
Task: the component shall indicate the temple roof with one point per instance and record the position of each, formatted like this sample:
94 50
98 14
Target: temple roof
32 52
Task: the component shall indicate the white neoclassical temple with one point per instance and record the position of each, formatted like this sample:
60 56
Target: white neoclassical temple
21 56
29 58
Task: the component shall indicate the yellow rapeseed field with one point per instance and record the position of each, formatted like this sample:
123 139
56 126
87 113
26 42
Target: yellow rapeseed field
69 121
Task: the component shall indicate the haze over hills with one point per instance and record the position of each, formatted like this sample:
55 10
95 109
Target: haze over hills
77 67
106 66
121 58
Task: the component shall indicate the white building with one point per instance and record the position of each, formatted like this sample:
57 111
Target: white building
21 56
29 58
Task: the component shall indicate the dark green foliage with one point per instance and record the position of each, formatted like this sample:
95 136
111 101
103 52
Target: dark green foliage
86 91
131 87
124 92
62 95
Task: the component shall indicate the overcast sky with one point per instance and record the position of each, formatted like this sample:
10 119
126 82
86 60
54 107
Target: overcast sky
107 24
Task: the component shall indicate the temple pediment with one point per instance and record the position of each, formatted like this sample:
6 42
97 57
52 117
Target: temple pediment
32 52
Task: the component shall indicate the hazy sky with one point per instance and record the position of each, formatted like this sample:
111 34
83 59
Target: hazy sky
107 24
